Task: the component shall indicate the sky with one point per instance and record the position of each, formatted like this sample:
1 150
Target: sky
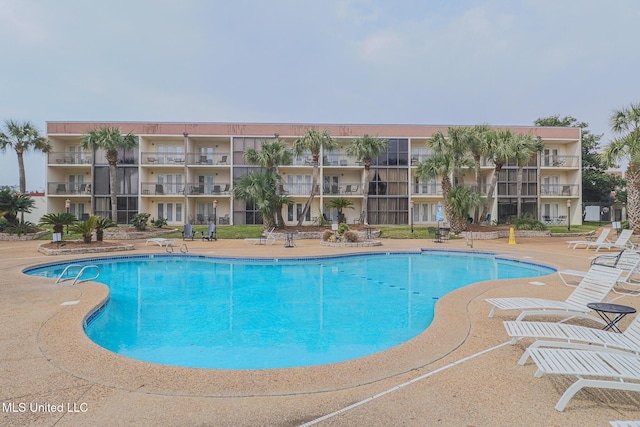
435 62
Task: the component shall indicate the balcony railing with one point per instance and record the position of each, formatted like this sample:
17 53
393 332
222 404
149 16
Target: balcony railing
343 189
69 158
560 161
154 188
340 160
297 189
427 189
222 159
197 189
68 189
169 159
559 190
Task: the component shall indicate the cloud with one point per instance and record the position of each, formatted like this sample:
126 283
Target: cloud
22 22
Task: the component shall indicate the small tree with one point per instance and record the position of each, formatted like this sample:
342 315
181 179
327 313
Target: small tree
340 203
101 225
58 220
85 228
14 204
140 221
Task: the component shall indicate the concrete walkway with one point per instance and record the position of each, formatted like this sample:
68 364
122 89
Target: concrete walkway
457 373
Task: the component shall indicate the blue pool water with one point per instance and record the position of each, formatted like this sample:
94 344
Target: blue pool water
248 314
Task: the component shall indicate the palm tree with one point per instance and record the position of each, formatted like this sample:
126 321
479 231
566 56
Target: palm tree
340 203
501 148
626 123
313 141
449 158
22 137
112 141
461 200
12 204
365 149
478 146
259 187
271 156
58 220
526 148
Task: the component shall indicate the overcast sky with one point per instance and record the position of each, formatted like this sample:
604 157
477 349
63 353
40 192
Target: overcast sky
502 62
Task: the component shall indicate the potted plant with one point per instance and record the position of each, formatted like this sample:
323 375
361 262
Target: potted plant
58 220
85 228
101 225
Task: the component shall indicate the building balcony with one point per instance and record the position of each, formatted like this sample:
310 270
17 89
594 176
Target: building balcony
552 161
297 189
559 190
426 189
197 189
166 159
340 160
68 189
69 158
198 159
343 189
165 189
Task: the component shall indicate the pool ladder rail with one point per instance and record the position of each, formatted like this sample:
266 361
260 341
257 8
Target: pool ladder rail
76 278
183 248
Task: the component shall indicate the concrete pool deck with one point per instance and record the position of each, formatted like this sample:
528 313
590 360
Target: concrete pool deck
457 373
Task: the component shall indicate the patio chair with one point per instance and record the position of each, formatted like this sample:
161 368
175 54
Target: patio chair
225 190
628 261
159 189
211 233
603 370
594 287
61 189
622 242
187 232
576 337
269 240
223 160
216 189
602 238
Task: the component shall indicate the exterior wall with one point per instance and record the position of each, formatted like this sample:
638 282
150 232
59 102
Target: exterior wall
180 169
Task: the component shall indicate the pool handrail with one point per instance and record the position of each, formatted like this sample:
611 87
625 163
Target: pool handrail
76 278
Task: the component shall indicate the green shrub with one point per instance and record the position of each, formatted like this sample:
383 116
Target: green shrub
20 228
160 222
140 221
528 223
342 228
326 235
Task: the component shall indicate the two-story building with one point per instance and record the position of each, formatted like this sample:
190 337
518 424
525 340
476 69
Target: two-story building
185 172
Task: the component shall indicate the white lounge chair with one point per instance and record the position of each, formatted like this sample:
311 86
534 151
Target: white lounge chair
622 242
160 241
624 423
602 238
594 287
628 261
269 240
574 336
618 369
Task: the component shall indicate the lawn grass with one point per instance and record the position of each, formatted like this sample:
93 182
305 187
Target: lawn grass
224 232
386 231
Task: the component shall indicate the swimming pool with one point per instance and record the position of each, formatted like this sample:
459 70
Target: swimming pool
227 313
